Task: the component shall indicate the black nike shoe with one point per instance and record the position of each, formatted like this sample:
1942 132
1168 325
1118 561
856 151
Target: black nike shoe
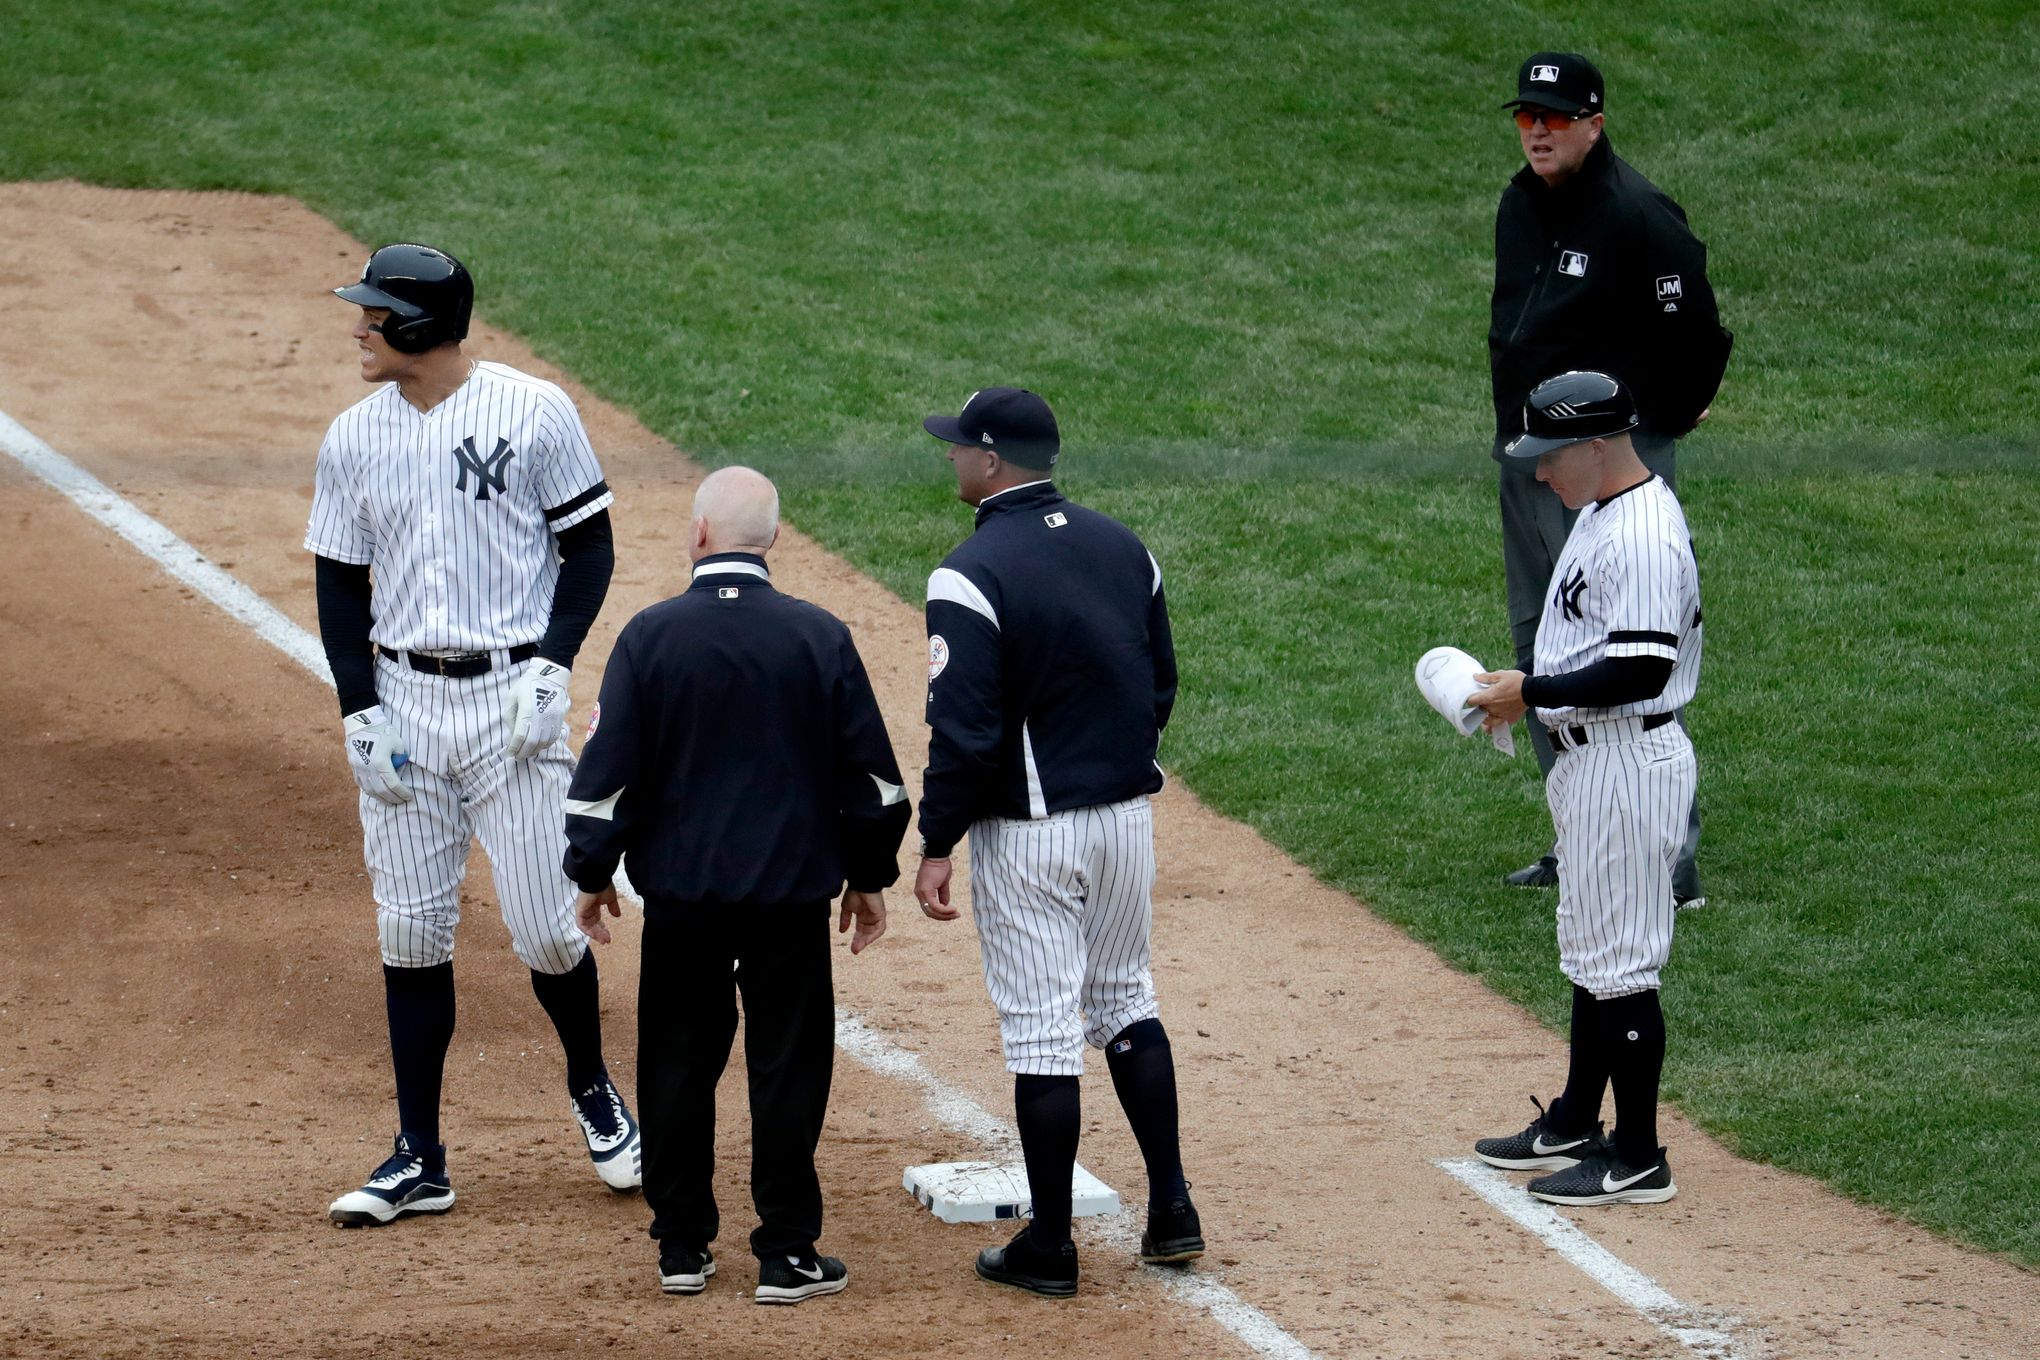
685 1271
1023 1265
1539 1147
1173 1234
789 1279
1542 874
1605 1178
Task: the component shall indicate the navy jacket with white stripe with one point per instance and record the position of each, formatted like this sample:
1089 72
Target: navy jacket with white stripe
1051 672
738 755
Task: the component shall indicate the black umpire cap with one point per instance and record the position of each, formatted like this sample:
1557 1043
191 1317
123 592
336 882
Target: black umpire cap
1571 409
1564 82
1012 422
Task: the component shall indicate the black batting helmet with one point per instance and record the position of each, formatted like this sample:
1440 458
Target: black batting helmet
1571 409
428 293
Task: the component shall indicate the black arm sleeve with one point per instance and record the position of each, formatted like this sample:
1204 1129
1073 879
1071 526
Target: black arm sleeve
1608 682
343 591
1163 643
587 557
872 807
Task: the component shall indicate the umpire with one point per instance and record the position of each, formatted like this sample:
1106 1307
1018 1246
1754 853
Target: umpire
738 758
1051 674
1595 268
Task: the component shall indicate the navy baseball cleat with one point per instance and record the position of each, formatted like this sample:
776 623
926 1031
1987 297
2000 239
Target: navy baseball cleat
1023 1265
1539 1147
1542 874
789 1279
412 1181
1173 1234
685 1271
612 1136
1605 1178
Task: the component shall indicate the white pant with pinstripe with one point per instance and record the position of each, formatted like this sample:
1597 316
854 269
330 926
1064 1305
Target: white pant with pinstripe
1064 909
464 787
1619 803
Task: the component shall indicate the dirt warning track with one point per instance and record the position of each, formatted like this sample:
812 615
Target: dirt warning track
195 1064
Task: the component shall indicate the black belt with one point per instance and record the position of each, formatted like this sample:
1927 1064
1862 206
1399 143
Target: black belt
461 665
1578 735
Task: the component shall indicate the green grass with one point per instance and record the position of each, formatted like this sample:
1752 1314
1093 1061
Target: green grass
1245 249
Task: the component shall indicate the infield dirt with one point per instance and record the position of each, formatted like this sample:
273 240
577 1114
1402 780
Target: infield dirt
194 1061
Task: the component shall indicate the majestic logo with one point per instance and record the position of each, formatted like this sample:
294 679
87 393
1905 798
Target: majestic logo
938 656
491 473
1573 263
1056 520
1569 592
1544 75
1669 288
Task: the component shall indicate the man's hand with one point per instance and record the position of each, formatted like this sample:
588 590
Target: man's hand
588 913
1501 701
536 709
374 755
931 889
868 910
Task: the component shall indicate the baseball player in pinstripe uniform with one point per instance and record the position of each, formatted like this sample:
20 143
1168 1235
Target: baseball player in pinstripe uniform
461 529
1617 656
1050 677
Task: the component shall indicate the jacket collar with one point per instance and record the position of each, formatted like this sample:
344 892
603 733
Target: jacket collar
1025 496
725 565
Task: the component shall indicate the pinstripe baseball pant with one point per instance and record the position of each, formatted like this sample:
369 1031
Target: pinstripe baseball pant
1064 911
1620 806
465 787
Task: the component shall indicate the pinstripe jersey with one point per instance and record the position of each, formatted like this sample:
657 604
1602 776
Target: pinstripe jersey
455 508
1625 585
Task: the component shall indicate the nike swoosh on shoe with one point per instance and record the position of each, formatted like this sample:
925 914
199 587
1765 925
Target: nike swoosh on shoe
1609 1185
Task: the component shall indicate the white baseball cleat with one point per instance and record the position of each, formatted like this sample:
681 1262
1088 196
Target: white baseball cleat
612 1136
412 1181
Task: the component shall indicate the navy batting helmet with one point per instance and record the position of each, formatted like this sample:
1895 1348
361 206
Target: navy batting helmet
1571 409
428 293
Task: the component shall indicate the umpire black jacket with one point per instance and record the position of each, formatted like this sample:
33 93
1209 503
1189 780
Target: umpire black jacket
1051 672
737 754
1603 273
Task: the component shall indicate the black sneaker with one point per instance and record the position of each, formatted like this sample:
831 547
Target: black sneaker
1172 1234
1539 1147
1605 1178
1024 1265
789 1279
1542 874
685 1271
411 1181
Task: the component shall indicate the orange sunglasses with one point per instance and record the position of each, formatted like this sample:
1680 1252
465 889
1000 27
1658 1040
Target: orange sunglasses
1557 122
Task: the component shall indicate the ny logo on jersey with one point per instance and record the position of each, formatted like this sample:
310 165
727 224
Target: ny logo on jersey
490 473
1569 592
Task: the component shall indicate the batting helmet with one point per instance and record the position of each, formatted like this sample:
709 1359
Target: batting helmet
1571 409
428 294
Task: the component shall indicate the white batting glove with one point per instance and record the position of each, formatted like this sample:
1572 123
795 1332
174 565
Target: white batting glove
375 753
536 710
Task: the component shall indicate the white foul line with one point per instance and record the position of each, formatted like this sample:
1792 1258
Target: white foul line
954 1108
1706 1335
964 1115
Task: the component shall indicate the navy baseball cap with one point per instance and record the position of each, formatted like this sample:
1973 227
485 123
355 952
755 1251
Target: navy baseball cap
1571 409
1564 82
1012 422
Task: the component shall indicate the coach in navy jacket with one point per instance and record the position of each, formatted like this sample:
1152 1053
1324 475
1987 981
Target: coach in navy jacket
739 760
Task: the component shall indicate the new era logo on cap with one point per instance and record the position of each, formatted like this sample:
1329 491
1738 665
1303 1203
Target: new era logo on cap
1544 73
1012 422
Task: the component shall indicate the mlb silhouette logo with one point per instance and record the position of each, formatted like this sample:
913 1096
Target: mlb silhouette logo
1545 74
1573 263
1669 289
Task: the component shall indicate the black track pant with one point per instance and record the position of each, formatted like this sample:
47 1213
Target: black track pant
687 1019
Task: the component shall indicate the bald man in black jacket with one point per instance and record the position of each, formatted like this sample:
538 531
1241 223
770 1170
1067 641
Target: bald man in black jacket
739 759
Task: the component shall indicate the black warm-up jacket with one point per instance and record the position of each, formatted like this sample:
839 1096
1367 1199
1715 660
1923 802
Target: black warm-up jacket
738 755
1603 273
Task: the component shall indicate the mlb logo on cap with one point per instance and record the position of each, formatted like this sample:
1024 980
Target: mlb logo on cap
1544 74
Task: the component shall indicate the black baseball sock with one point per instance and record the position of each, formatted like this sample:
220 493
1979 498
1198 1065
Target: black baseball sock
1635 1035
1049 1112
420 1002
573 1000
1144 1075
1578 1110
